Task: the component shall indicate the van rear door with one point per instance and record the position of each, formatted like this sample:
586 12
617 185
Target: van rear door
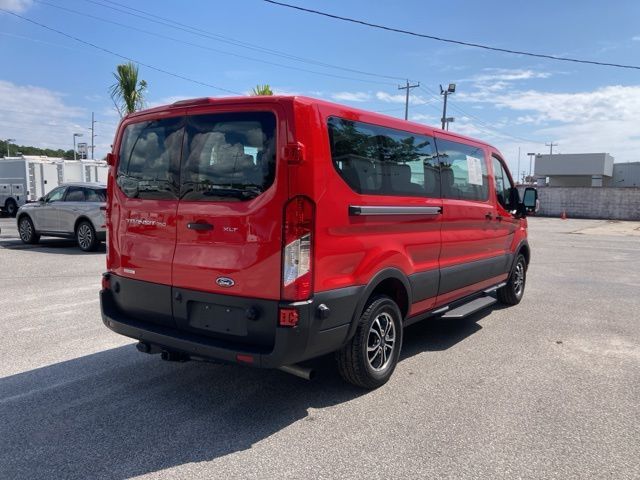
229 225
143 215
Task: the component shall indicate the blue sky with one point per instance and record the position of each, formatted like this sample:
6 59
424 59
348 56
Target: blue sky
50 84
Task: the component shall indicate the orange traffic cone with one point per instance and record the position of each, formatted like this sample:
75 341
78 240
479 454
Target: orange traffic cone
563 216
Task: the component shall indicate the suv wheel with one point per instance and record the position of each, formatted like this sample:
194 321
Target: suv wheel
370 358
27 231
86 236
512 292
11 207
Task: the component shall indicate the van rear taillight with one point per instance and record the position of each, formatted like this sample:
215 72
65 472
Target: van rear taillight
297 251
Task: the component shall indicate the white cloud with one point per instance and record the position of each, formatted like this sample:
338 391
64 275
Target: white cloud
636 38
602 120
16 6
351 96
390 98
42 118
509 75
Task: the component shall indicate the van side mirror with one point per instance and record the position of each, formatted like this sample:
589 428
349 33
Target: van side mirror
41 200
530 199
111 159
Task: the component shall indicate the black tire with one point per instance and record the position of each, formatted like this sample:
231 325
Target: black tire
357 361
27 231
512 292
86 236
11 207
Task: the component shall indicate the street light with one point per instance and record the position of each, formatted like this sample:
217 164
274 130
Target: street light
9 140
74 144
447 121
450 89
531 155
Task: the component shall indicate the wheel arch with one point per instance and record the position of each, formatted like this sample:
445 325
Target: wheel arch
391 282
523 248
80 219
22 215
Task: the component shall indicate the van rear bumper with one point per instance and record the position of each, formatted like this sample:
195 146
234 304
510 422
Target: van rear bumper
314 336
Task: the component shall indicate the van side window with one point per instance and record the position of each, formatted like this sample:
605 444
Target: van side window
504 187
228 157
149 159
382 161
464 171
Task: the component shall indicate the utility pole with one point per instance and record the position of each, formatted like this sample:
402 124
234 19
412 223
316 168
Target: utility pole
450 89
407 87
551 145
518 160
8 140
93 123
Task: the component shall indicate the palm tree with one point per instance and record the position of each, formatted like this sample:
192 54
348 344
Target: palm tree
262 90
127 93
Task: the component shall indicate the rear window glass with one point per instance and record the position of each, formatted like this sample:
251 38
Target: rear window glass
464 171
228 157
96 195
149 161
383 161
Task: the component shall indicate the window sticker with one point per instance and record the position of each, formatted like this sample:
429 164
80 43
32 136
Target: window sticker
474 167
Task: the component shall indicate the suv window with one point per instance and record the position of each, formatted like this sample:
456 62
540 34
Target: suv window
383 161
150 158
56 194
75 194
95 194
504 187
463 169
228 157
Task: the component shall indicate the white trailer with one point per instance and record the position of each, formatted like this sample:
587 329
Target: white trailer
27 178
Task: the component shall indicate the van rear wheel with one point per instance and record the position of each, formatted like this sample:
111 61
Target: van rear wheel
512 292
369 359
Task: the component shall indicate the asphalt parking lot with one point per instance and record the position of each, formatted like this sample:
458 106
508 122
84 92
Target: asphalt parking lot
546 389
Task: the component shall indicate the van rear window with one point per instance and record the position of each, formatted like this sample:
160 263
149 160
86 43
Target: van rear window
228 157
149 159
382 161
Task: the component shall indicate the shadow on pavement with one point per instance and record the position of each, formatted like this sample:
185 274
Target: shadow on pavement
51 245
119 413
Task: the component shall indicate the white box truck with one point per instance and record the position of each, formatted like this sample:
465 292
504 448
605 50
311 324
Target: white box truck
27 178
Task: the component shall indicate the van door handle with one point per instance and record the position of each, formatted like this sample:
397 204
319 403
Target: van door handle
201 226
488 216
499 218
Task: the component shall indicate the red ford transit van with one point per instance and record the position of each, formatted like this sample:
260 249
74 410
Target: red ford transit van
270 230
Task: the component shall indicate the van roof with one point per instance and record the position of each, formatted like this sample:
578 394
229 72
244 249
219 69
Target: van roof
395 122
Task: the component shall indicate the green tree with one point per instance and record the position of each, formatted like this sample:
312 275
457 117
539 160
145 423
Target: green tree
128 93
262 90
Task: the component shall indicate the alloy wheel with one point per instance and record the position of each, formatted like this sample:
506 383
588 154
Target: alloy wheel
381 342
85 236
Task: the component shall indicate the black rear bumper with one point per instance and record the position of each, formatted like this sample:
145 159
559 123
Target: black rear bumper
316 333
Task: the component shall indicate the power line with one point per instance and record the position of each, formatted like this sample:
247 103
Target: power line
124 57
231 41
457 42
487 127
204 47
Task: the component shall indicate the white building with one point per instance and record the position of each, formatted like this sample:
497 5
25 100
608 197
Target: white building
575 170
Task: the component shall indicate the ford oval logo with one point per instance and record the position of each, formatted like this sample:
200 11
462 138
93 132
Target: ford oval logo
225 282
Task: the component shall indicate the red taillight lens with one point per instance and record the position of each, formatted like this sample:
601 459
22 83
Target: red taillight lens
288 317
297 253
106 284
244 358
